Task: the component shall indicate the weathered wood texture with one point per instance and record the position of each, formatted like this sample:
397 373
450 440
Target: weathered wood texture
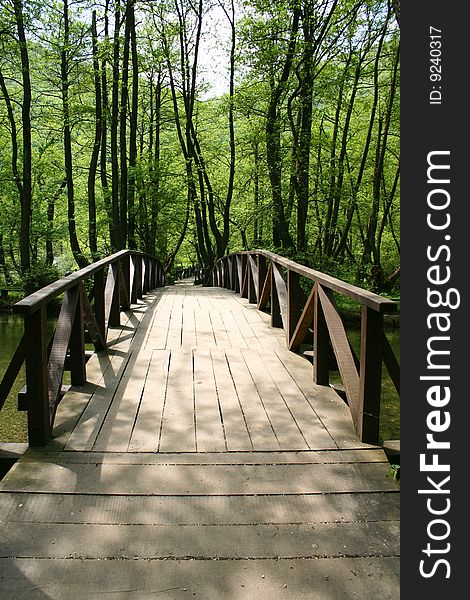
129 274
279 286
200 460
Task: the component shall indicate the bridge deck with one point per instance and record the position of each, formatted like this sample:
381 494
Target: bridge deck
200 461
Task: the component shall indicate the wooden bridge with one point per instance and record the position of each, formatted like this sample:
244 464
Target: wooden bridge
193 455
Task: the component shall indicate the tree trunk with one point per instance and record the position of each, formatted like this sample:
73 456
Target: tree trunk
281 235
104 135
133 127
74 243
123 199
96 146
116 236
26 196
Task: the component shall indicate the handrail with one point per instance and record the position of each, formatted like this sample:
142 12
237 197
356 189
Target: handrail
118 281
259 276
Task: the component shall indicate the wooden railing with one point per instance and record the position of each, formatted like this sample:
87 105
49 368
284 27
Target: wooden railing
115 283
266 279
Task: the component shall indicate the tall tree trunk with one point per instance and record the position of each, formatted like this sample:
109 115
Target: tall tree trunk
256 228
116 228
133 127
51 202
154 160
281 235
92 237
74 243
123 198
228 201
104 134
26 196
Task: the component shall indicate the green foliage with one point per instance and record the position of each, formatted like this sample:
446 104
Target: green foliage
343 116
39 275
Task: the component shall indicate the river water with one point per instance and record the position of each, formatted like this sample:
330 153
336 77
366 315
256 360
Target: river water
13 426
13 423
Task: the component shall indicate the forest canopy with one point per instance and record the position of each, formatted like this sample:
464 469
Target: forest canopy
192 128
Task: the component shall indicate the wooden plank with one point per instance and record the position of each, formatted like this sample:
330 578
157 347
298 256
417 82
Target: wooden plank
178 427
204 332
193 510
209 426
173 340
333 412
261 432
334 578
363 454
313 430
186 479
233 329
235 427
249 335
146 432
222 339
89 541
104 377
157 334
188 331
116 430
285 426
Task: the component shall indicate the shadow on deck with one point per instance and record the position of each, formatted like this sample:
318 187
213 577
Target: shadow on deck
200 460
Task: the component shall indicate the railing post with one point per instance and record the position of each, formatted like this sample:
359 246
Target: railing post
138 276
148 274
244 284
229 273
251 284
99 304
115 309
153 274
370 374
262 272
220 277
39 424
77 344
239 273
293 303
276 318
321 367
224 272
126 296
